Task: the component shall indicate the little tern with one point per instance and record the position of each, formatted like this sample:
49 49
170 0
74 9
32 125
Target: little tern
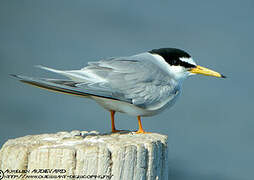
140 85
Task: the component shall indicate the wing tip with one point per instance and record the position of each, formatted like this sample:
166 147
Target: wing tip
15 76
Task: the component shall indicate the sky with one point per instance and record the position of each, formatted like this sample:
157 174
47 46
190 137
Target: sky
210 128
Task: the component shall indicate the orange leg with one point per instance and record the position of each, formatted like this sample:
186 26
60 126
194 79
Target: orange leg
140 128
112 113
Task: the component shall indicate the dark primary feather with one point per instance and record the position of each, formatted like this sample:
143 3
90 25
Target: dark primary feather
63 82
62 86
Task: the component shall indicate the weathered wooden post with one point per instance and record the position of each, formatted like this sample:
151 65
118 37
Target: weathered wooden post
86 155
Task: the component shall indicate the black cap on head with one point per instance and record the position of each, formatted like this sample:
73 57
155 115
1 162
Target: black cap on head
172 56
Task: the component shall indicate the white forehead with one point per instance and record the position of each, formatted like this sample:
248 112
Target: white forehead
188 60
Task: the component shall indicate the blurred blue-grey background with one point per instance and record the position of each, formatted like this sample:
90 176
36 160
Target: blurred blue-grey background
211 127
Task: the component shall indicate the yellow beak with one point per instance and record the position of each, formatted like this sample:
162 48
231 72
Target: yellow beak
206 71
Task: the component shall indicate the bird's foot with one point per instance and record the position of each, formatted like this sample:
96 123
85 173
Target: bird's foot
141 131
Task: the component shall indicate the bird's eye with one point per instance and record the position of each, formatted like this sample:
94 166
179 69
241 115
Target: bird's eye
187 65
175 62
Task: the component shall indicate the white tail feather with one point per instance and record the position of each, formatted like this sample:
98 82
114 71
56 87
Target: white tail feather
69 74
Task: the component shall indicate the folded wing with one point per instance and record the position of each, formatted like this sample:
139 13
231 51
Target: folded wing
135 79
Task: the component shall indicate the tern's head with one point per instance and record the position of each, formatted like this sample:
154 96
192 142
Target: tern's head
180 64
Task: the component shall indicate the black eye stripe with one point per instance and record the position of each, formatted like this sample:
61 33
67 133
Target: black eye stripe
177 62
172 56
186 64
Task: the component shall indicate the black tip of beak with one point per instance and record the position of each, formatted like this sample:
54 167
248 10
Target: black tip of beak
222 76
